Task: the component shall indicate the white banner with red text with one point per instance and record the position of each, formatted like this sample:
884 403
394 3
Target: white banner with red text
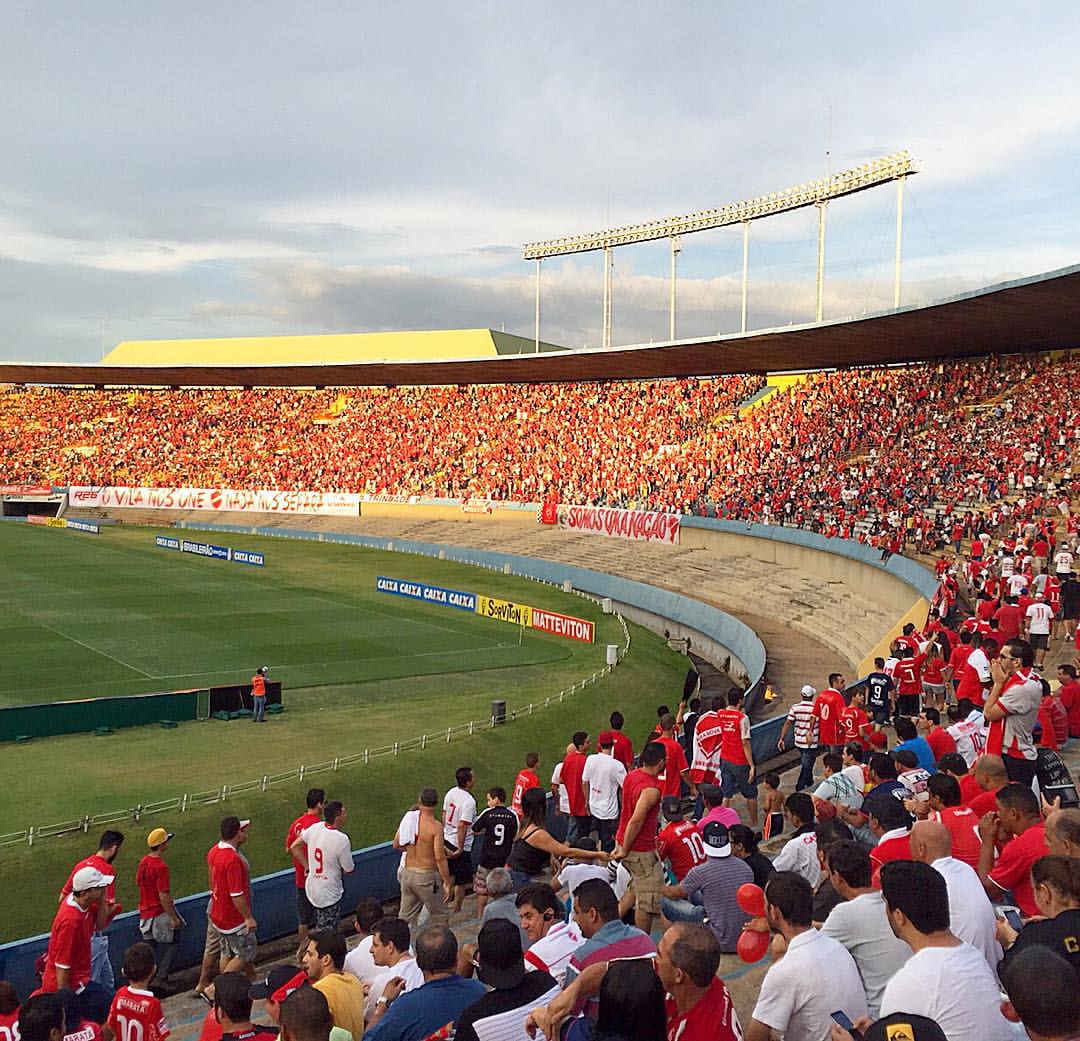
639 525
222 500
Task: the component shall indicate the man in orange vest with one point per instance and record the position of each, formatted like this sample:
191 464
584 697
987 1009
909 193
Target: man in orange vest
258 695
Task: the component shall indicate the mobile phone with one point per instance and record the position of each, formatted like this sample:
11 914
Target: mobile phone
842 1020
1012 916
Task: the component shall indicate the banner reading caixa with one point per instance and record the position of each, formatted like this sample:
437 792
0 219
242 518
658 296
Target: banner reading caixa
336 504
639 525
429 594
206 549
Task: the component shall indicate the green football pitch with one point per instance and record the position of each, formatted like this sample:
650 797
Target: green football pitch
90 616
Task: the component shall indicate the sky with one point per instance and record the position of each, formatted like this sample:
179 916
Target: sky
269 168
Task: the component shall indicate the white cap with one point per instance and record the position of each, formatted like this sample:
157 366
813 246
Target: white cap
89 878
809 692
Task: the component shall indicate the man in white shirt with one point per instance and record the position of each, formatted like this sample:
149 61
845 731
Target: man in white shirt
390 951
971 915
459 812
552 940
604 775
329 858
811 976
1039 618
359 960
1063 562
860 923
946 980
800 851
969 733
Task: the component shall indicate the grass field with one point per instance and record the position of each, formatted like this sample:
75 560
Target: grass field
113 614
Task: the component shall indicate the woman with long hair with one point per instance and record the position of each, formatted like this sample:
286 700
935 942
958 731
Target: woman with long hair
631 1006
534 846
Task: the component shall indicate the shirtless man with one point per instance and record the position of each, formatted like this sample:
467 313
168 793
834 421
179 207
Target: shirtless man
425 864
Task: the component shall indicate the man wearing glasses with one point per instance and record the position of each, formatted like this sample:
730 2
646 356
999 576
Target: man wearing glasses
1012 708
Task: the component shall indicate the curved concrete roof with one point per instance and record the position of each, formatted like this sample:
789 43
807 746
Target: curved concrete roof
1030 314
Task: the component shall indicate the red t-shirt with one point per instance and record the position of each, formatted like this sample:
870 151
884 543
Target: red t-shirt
1046 721
1013 868
136 1015
827 708
152 878
958 659
258 686
711 1019
940 742
909 675
9 1025
681 844
228 878
671 776
894 845
853 722
969 788
982 804
623 749
69 946
1070 698
573 765
638 781
297 826
1009 617
731 735
105 868
962 822
526 780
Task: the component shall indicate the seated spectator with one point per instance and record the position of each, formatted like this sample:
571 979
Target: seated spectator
971 915
912 776
552 940
699 1007
968 730
717 880
1062 832
838 786
797 998
677 843
232 1009
324 962
715 810
889 824
911 741
800 851
436 1005
514 992
304 1015
393 956
990 776
941 742
859 923
1042 995
917 902
1018 825
1056 883
826 897
596 912
943 805
744 845
630 1007
359 960
500 902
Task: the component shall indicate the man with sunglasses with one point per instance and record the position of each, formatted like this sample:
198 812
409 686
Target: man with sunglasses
1012 708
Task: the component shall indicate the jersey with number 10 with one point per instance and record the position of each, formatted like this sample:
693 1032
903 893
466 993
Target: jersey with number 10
136 1015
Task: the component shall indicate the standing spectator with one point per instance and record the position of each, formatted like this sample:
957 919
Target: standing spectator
636 835
324 963
799 854
717 880
1018 824
552 940
230 923
305 913
328 854
1069 694
392 955
514 991
526 779
604 775
624 748
1012 708
360 961
136 1014
676 768
1039 618
879 688
573 766
425 877
827 708
917 901
971 915
105 909
859 923
815 977
432 1009
67 958
736 756
705 762
258 695
159 921
459 812
534 846
801 717
498 825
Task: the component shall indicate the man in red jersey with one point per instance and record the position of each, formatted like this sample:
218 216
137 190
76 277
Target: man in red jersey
230 923
573 766
826 710
305 913
941 742
705 764
67 958
1012 708
975 680
525 780
136 1014
679 843
909 683
736 756
1018 824
958 657
676 768
854 722
624 748
9 1012
699 1007
636 836
159 920
104 910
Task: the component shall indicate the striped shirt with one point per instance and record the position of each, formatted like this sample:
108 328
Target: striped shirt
801 714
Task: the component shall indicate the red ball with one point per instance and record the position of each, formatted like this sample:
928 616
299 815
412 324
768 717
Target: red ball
752 946
751 899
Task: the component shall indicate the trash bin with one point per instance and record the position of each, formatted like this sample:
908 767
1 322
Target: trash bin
498 713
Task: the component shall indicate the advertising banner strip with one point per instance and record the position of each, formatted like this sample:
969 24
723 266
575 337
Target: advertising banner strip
563 625
166 542
85 526
205 549
638 525
245 556
455 598
505 611
220 500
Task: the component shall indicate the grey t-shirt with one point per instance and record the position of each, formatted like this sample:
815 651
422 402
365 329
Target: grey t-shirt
719 879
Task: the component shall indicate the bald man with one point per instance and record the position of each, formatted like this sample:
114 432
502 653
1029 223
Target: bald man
990 775
970 912
1063 833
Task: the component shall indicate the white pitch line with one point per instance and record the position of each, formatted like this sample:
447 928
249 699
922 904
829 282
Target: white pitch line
96 650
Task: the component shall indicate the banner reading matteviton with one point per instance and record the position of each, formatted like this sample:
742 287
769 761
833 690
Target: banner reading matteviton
639 525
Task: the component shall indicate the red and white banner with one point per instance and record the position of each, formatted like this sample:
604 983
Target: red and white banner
33 491
476 506
640 525
223 500
562 625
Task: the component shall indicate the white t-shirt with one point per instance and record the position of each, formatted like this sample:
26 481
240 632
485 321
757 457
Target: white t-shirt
564 797
605 775
407 969
800 855
862 926
573 875
1040 616
839 787
553 951
1063 562
360 962
814 979
457 806
1017 584
329 856
970 912
955 988
970 736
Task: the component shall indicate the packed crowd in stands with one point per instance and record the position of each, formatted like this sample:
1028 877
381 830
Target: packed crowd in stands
884 455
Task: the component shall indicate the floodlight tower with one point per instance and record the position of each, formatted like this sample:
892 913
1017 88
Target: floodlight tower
896 167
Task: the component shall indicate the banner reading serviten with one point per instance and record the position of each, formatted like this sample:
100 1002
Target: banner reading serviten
639 525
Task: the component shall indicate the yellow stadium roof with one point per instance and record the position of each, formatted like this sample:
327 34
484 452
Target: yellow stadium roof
336 349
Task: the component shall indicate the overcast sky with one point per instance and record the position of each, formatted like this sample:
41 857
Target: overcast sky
272 168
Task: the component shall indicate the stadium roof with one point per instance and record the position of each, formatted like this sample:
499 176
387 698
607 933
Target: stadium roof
1029 314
